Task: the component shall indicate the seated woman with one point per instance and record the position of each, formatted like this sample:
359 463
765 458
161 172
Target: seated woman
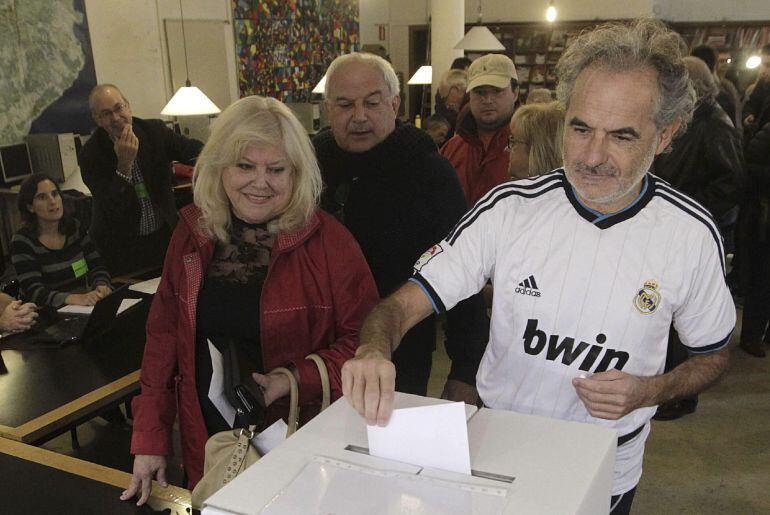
55 260
536 140
253 263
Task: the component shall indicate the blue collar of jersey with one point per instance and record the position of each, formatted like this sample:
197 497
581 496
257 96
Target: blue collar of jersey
602 220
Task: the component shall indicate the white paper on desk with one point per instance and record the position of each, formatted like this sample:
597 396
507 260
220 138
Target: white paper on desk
149 286
86 310
429 436
127 303
78 310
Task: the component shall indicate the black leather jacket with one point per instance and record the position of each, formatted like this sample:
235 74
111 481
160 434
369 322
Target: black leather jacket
706 162
758 162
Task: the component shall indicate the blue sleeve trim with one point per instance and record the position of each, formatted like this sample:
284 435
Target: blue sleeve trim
435 300
714 346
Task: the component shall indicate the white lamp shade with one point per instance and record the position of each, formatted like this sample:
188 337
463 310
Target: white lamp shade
424 75
479 39
189 101
321 86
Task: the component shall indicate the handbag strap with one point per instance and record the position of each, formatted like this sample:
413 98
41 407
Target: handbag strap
238 456
324 373
293 399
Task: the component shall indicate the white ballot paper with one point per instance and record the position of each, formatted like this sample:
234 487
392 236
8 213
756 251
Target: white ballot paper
429 436
149 286
86 310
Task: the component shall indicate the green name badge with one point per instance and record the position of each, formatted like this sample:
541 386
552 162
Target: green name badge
80 267
141 190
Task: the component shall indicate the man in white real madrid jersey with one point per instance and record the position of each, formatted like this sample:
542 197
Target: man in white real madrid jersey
591 264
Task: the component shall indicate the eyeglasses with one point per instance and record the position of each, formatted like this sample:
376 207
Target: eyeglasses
119 108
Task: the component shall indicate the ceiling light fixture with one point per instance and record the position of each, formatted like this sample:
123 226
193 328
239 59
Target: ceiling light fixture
479 39
550 13
753 62
188 100
424 75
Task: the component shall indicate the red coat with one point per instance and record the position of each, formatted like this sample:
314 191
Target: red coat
479 170
316 294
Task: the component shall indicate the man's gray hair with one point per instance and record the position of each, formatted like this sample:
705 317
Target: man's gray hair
701 77
384 67
626 47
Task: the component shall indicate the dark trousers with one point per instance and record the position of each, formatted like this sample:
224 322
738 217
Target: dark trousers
621 504
756 304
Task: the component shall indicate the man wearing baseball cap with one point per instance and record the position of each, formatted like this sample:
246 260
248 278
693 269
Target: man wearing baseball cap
479 149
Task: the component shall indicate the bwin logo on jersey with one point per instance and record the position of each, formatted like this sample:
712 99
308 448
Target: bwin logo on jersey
528 287
535 341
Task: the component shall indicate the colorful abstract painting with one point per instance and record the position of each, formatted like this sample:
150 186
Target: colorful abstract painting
284 46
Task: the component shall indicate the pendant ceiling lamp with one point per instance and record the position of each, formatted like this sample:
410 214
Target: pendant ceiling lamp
424 75
188 100
479 39
320 87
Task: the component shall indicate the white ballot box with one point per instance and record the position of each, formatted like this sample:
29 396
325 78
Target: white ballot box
520 464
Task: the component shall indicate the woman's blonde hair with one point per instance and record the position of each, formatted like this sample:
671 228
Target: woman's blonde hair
255 122
453 78
540 126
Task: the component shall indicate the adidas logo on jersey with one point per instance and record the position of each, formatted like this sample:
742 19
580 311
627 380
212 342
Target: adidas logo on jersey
528 287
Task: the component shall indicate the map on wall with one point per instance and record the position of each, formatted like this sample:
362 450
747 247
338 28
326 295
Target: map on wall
285 46
48 68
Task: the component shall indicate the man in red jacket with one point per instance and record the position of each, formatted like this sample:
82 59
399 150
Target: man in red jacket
479 150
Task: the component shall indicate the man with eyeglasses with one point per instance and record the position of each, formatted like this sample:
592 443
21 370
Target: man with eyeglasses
479 149
127 166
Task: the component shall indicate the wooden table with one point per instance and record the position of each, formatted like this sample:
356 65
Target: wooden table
36 480
46 391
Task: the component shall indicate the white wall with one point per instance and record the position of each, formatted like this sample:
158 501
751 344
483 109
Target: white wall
130 49
714 10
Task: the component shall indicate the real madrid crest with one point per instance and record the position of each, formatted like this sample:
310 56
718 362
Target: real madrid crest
647 299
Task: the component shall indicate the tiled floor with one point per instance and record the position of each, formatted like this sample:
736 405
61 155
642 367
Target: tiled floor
715 461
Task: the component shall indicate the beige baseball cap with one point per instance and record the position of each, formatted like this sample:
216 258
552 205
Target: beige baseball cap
491 70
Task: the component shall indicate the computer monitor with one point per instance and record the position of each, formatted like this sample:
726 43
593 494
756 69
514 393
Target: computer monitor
53 154
15 163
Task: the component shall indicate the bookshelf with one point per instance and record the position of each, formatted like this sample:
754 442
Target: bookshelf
536 47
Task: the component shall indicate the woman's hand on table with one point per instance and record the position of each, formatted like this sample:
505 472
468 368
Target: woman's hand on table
274 386
102 290
145 468
83 299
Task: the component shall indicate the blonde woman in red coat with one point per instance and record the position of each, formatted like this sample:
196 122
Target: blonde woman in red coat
252 262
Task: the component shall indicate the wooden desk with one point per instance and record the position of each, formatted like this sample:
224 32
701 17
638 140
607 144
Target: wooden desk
44 391
559 467
40 481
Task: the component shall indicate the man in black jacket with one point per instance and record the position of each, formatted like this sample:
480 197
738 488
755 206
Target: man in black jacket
388 184
127 166
756 307
706 163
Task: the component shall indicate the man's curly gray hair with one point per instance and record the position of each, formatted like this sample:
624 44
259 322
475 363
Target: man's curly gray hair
625 47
